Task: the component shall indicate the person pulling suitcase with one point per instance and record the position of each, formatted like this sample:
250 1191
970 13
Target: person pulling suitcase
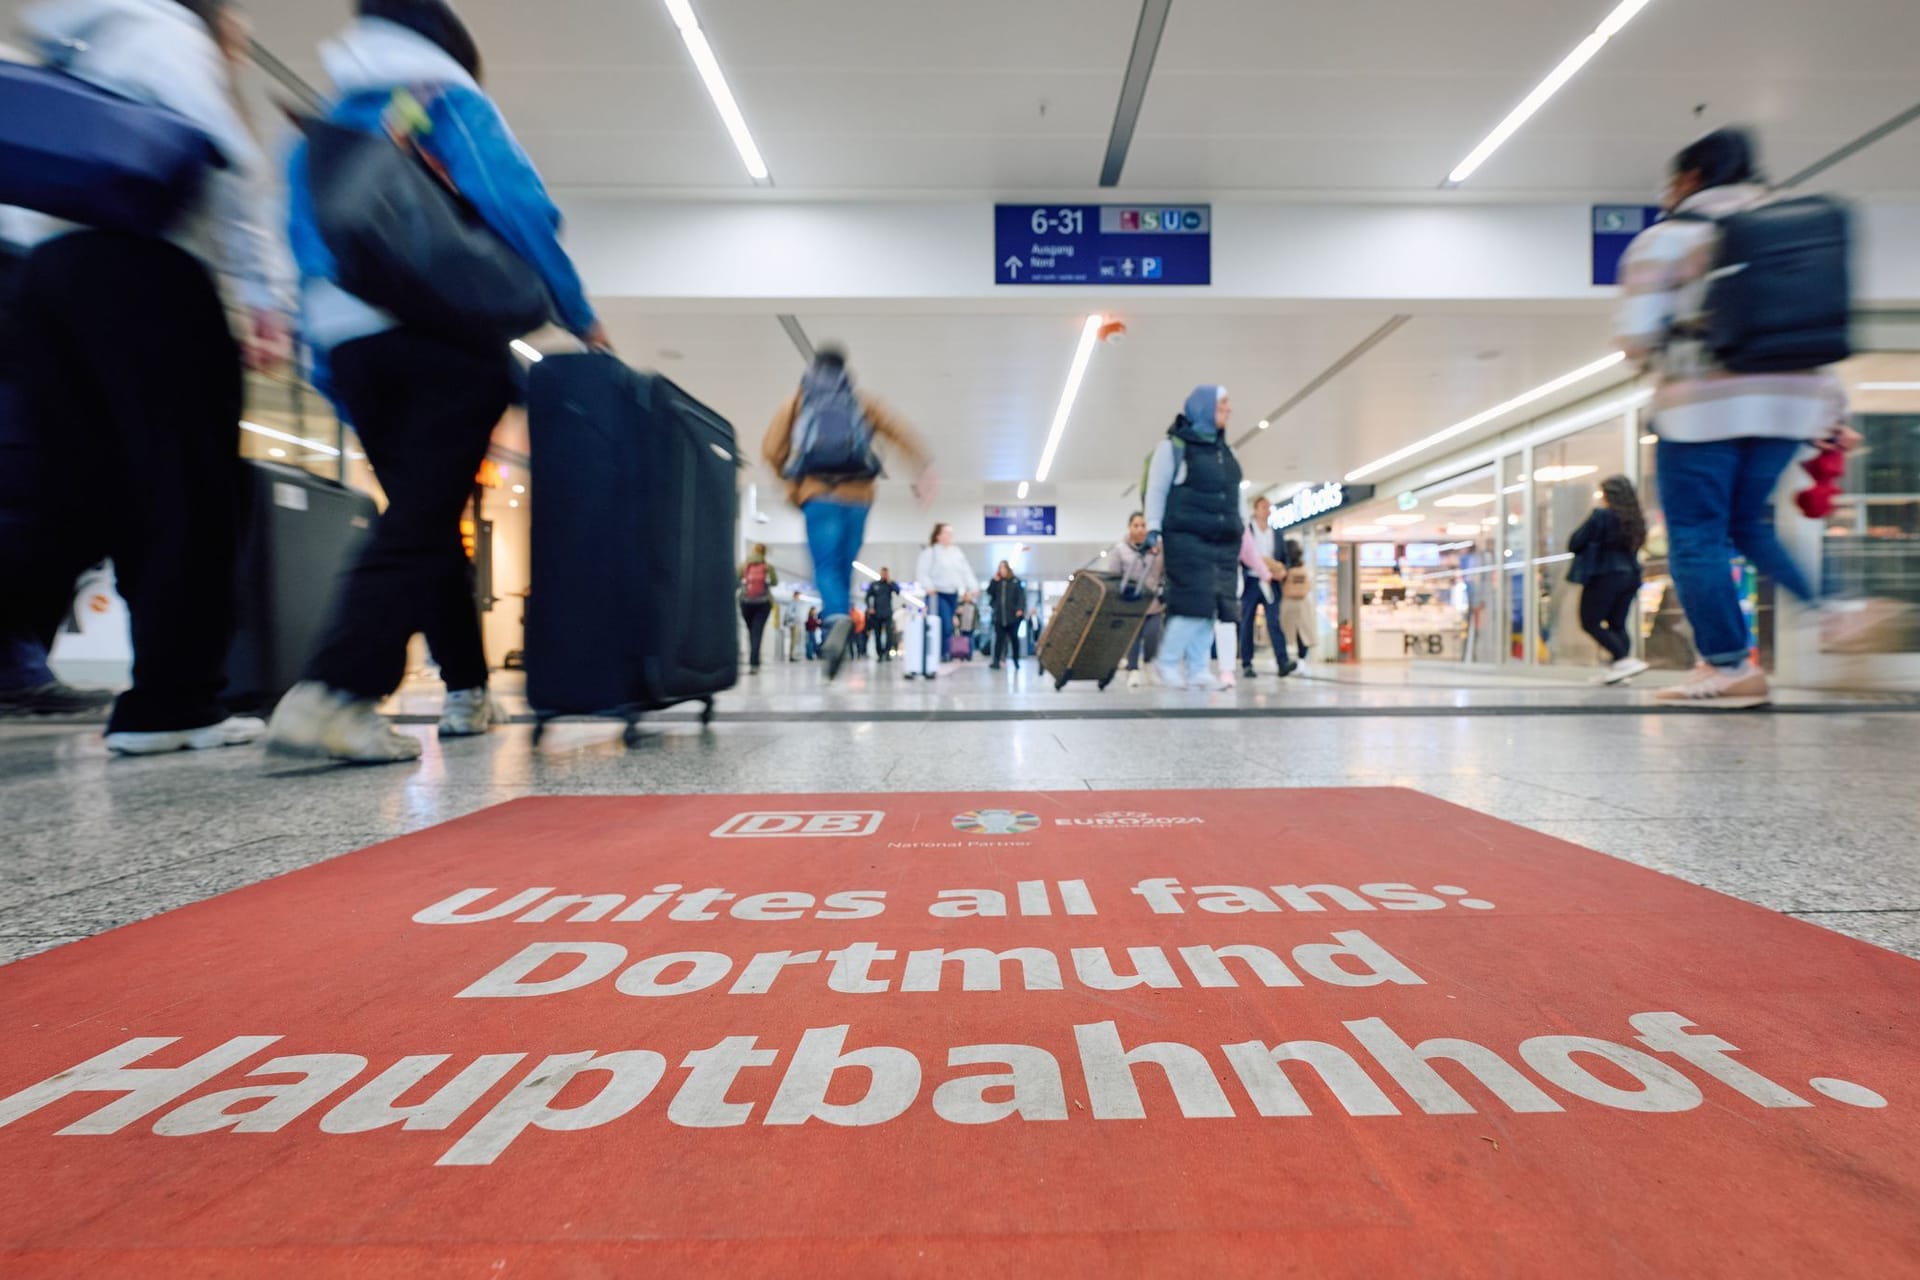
424 404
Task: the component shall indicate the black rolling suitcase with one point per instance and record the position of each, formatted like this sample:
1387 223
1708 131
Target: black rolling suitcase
298 532
632 606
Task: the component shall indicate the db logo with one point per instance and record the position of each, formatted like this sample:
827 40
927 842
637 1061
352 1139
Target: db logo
764 826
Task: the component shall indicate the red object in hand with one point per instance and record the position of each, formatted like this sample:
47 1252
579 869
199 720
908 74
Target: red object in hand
1826 467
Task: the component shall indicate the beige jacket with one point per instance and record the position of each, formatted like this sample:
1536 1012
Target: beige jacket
887 426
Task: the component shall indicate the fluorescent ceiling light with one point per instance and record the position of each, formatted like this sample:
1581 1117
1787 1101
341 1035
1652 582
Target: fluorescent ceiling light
1889 386
861 568
1363 531
288 438
716 82
1461 530
1402 521
1482 419
1555 81
1264 424
526 350
1560 475
1068 394
1516 488
1025 488
1650 438
276 452
1467 500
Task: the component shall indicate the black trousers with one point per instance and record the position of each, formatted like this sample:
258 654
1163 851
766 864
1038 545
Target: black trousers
1006 642
131 386
1253 599
425 411
1604 606
882 630
755 614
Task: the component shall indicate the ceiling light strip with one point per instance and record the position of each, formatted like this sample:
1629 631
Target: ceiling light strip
527 351
1534 396
1332 371
1068 394
717 88
1556 80
1133 89
1554 428
289 438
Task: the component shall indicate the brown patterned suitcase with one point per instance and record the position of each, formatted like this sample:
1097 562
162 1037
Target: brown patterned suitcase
1091 631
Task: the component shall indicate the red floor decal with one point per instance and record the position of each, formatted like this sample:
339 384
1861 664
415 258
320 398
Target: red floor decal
1188 1033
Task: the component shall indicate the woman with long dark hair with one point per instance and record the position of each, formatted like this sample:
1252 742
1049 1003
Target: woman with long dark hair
1606 564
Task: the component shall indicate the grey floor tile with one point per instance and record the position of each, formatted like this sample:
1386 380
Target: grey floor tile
1894 930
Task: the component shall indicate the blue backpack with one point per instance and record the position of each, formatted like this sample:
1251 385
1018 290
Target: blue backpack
82 153
832 438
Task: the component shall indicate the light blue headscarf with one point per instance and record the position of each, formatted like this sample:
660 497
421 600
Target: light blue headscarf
1201 406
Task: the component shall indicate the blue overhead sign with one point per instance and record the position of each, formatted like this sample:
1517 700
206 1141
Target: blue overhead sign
1022 522
1614 227
1119 244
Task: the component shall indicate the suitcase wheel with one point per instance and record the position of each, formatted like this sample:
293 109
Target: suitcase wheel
1061 682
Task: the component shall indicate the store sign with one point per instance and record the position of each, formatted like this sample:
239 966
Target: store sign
585 1035
1318 501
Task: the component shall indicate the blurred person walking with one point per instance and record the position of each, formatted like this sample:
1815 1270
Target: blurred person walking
1296 596
1260 575
424 406
1193 510
883 597
823 442
966 625
1007 596
758 578
1741 387
130 381
812 625
1141 563
1606 567
945 574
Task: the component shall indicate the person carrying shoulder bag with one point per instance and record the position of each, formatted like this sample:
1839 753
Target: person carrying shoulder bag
1606 566
424 400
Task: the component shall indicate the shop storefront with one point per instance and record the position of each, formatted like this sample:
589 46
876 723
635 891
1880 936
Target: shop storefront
1465 560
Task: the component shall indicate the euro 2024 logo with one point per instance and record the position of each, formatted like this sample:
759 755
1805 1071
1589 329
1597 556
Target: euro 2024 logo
996 822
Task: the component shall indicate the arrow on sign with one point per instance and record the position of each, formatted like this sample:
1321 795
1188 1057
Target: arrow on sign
1013 266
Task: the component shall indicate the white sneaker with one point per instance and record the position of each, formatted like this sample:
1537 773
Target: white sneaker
1745 684
234 731
1133 680
1226 682
1623 671
313 720
468 713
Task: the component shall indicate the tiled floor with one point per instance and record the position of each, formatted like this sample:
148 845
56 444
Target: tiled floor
1812 813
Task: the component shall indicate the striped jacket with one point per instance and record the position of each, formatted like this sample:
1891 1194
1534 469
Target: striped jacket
1664 279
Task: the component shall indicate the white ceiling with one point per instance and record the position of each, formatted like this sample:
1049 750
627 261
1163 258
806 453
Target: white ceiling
983 387
1012 96
989 97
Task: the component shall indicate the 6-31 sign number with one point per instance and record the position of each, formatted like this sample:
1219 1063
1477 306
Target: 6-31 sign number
1065 222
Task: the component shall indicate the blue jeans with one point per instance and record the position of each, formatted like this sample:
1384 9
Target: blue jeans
835 532
1186 650
1719 503
945 603
1253 598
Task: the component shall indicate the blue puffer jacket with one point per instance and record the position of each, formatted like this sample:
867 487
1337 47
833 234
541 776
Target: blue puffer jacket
468 137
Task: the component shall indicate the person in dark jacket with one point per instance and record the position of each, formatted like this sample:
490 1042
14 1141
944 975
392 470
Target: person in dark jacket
1606 564
883 596
1008 596
1193 513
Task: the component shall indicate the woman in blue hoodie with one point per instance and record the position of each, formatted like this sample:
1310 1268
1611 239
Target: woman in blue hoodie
1193 513
424 407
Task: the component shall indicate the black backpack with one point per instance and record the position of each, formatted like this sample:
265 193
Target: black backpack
1780 295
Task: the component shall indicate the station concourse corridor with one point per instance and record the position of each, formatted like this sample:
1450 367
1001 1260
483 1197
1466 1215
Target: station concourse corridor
1527 885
